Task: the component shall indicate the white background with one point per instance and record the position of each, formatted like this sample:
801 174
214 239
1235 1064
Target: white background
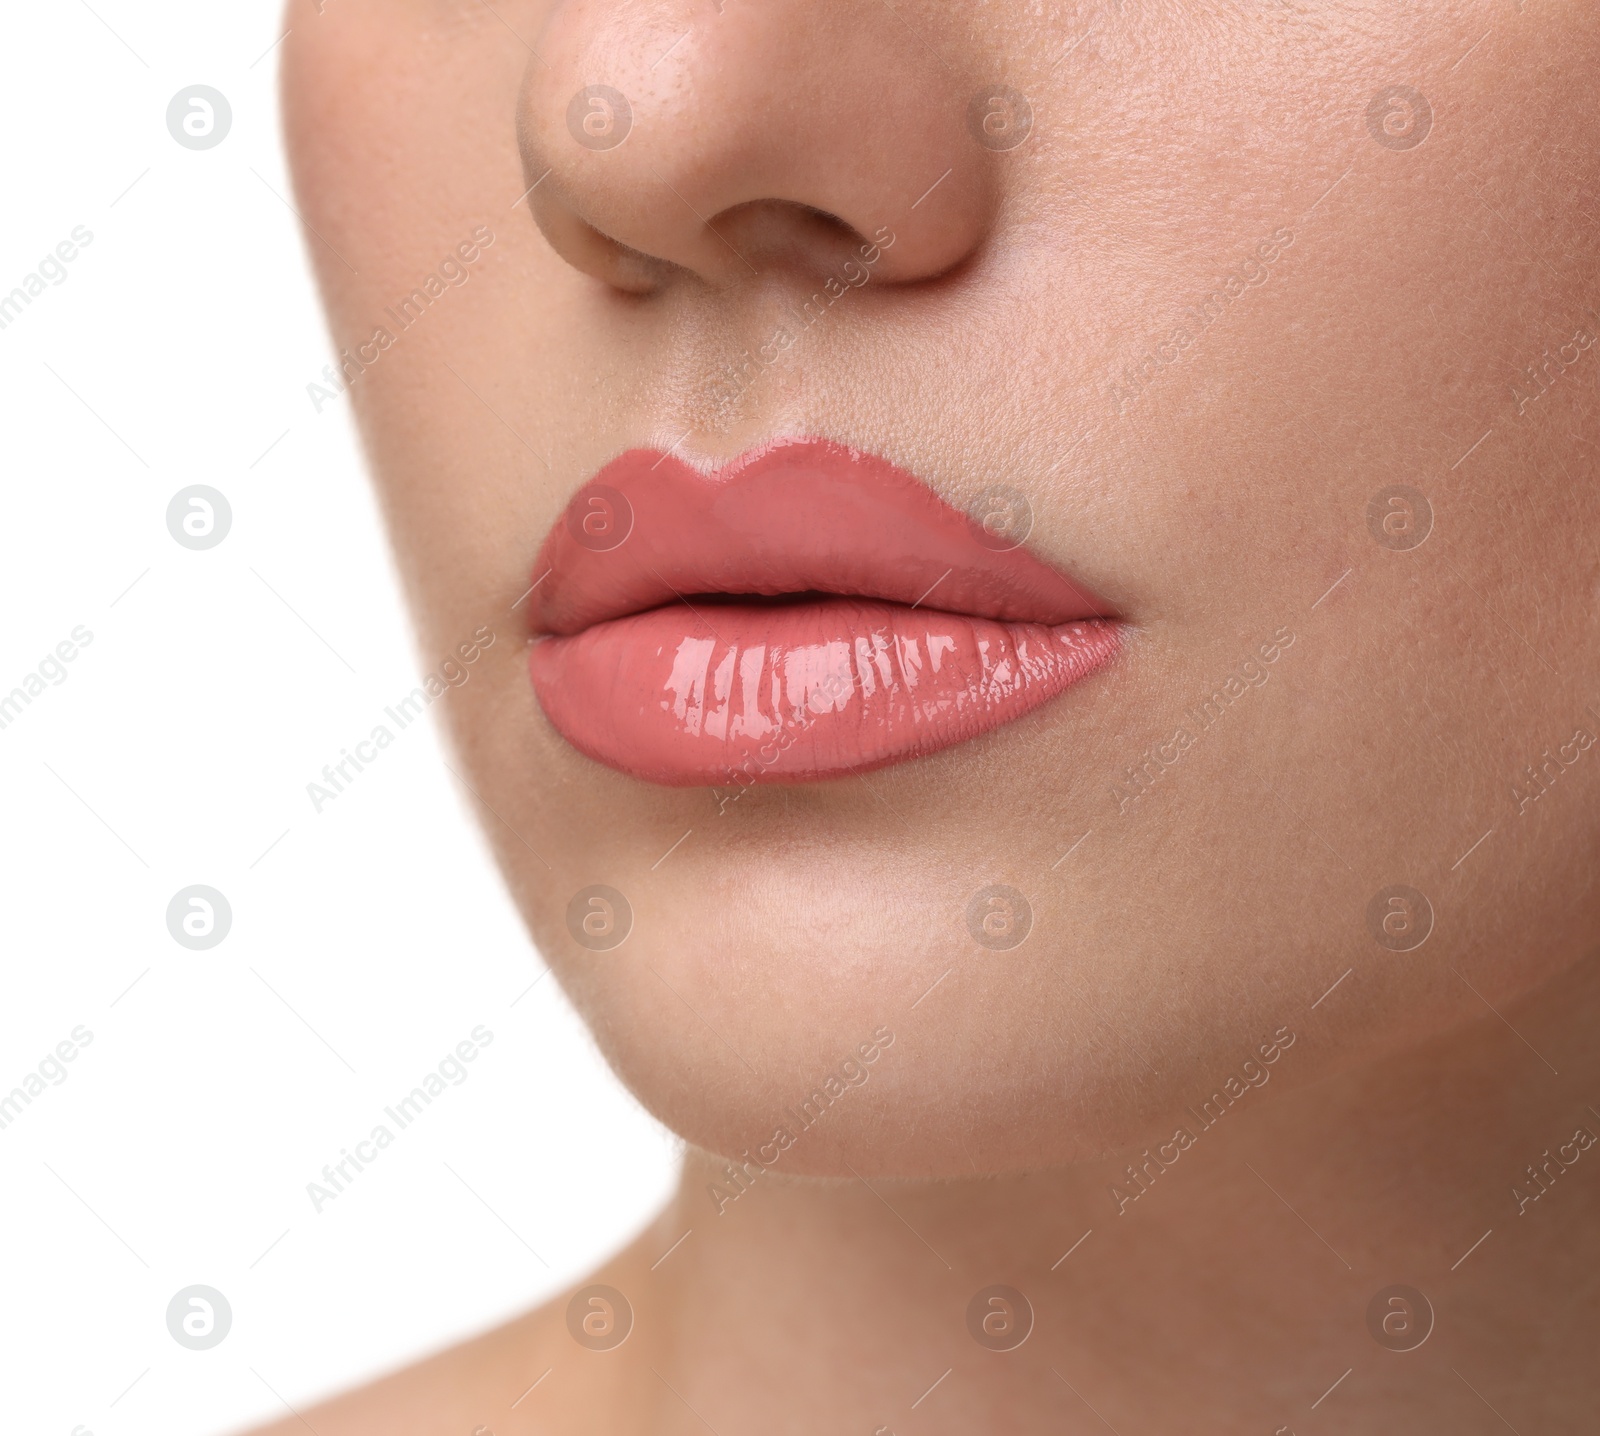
366 941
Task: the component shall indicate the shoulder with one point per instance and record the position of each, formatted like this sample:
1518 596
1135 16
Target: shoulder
468 1390
582 1362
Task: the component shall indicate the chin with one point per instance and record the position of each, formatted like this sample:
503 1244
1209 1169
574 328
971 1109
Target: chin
829 1015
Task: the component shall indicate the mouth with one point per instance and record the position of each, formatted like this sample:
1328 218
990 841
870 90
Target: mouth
805 612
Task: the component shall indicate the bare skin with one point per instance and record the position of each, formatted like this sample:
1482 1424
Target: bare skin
1206 1305
1374 232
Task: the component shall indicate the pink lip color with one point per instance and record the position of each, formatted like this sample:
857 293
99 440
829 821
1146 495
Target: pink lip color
900 626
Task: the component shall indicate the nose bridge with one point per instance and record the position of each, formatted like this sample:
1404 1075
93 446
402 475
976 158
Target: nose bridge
710 139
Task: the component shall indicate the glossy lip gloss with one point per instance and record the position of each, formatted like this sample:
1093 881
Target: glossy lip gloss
805 612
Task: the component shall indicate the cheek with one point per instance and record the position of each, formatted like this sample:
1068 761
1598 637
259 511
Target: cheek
1232 891
465 479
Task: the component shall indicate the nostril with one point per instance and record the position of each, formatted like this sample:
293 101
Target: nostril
759 144
849 231
778 233
765 234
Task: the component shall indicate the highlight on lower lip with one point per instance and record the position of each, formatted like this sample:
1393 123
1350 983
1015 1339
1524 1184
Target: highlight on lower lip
741 692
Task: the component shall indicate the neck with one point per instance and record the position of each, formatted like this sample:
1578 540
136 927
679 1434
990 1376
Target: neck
1232 1281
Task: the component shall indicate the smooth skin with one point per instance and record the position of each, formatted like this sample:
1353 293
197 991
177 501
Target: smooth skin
1229 290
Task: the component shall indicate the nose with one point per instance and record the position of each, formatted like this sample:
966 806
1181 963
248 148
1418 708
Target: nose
724 138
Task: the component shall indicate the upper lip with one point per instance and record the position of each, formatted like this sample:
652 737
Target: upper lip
793 517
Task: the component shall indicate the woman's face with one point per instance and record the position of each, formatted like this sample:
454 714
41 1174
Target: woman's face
1273 328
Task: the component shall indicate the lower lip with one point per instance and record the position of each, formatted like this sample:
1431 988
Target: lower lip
735 693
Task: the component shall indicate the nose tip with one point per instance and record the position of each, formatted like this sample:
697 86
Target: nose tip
663 140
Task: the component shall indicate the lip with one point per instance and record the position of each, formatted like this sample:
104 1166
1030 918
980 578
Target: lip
805 612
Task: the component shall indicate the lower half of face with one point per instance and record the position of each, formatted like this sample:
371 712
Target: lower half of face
1294 368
